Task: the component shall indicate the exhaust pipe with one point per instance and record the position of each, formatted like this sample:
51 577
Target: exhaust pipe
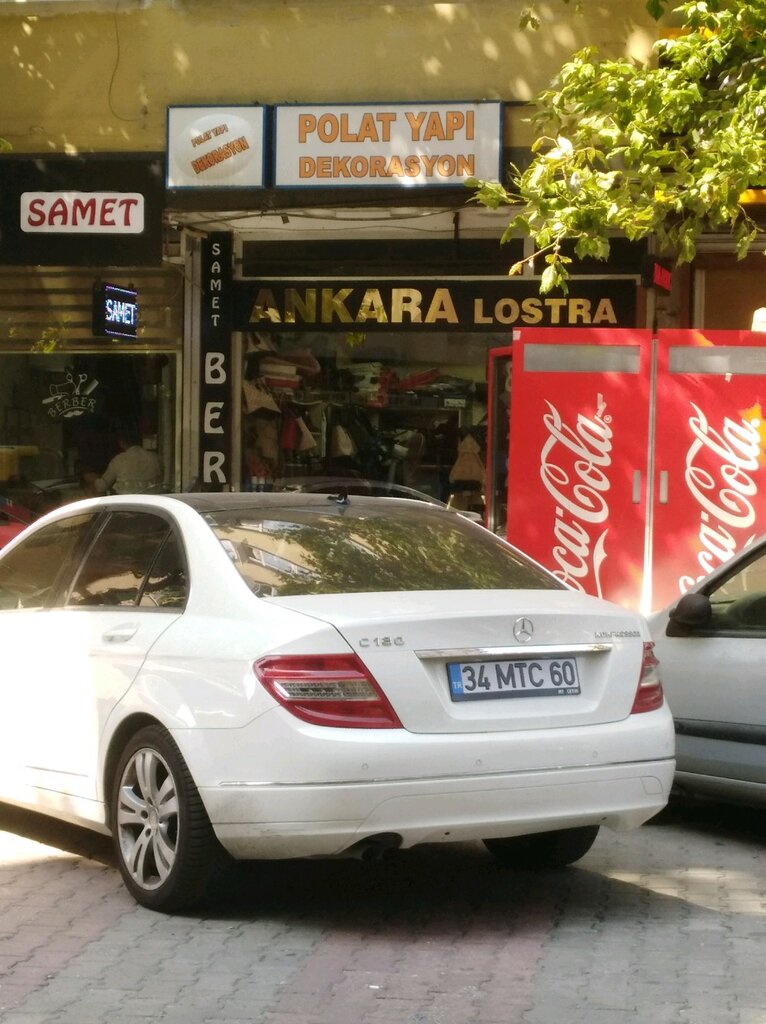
375 848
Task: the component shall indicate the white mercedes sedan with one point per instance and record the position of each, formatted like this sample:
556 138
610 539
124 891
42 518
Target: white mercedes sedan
265 676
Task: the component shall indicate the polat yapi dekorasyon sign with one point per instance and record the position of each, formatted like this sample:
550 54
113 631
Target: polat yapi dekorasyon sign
396 144
215 147
333 145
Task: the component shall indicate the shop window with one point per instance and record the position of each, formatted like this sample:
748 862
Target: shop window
401 409
66 393
61 417
727 291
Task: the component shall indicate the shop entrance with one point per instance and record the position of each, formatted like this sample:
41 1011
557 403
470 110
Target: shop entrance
61 414
394 409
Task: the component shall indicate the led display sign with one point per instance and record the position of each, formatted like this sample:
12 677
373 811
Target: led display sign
115 311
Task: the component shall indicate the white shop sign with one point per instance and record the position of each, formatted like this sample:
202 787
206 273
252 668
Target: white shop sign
91 213
387 145
215 147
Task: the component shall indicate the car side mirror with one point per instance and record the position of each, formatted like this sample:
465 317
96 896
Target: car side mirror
691 612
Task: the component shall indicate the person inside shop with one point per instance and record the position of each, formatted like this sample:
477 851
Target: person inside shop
134 470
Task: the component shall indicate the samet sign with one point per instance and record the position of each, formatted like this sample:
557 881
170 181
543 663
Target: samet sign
115 311
448 305
387 145
105 213
95 210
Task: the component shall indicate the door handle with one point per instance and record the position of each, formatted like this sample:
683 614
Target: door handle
121 634
636 496
663 495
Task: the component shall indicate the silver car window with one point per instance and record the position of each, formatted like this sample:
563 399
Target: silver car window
739 603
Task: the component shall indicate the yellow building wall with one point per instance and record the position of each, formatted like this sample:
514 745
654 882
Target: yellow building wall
101 81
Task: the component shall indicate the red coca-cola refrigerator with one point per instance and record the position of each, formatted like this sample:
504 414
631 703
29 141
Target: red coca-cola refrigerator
709 454
635 464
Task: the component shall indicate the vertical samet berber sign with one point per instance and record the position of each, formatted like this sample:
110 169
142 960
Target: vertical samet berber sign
215 468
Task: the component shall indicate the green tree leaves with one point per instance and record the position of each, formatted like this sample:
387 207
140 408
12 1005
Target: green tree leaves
530 18
664 150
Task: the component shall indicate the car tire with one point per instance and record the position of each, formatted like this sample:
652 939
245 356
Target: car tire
165 845
544 849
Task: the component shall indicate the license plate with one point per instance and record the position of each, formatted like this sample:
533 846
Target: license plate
538 677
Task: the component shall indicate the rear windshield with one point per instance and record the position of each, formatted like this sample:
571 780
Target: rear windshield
283 552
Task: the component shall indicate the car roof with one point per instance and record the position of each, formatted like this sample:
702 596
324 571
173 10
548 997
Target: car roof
210 502
207 502
354 485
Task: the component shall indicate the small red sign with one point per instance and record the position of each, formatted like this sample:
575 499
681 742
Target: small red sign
662 277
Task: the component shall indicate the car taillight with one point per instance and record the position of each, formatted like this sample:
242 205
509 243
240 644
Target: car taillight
649 694
327 689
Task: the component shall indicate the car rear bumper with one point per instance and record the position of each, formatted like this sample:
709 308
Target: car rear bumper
280 821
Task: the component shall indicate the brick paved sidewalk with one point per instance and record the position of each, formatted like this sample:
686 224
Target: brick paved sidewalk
664 924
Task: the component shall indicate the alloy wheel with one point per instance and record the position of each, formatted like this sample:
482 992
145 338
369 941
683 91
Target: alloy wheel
148 818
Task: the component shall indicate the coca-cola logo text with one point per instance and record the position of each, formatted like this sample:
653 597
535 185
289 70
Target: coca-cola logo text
573 465
718 472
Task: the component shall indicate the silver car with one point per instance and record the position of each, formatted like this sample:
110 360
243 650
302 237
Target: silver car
712 645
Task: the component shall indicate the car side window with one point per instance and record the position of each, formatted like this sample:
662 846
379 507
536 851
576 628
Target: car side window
740 602
119 561
166 585
29 571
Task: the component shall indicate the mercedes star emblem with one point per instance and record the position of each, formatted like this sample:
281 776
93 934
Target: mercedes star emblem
523 630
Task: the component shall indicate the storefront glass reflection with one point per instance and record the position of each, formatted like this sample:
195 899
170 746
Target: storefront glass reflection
61 416
404 408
